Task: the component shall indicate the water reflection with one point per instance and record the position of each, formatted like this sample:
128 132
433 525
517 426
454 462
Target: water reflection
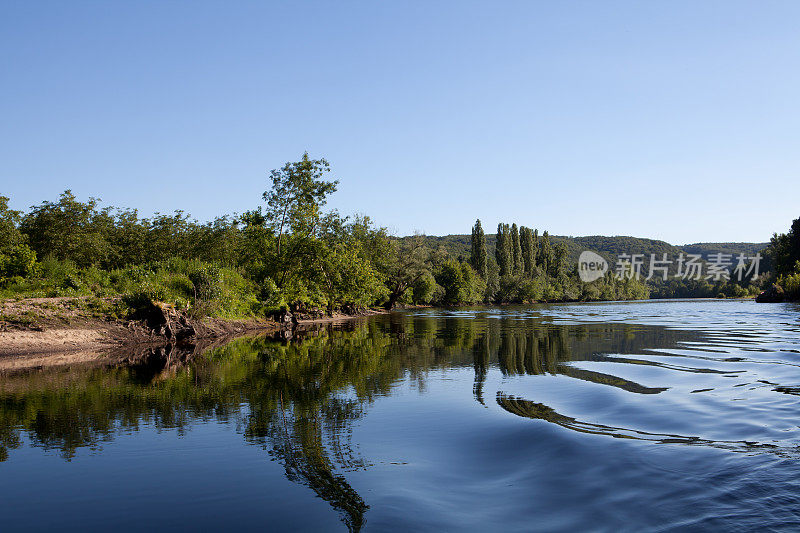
300 399
538 411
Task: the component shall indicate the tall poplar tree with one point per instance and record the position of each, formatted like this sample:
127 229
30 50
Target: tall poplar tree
499 250
528 250
502 251
478 258
560 259
546 251
516 250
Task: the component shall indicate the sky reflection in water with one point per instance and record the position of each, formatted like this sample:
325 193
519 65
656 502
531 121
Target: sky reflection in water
616 415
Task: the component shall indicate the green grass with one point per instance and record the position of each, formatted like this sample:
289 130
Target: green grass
26 319
201 289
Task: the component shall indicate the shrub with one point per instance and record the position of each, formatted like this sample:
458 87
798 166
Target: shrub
237 296
207 282
791 286
530 290
20 261
423 289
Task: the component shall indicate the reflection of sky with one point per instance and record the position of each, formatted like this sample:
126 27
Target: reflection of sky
638 424
726 315
208 477
464 466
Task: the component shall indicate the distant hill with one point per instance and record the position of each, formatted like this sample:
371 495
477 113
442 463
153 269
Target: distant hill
703 248
608 247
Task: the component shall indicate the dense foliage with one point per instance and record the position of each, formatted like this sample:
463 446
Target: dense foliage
545 247
528 269
608 247
784 252
288 253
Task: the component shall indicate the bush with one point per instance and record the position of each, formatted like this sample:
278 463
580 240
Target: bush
139 300
460 283
20 261
237 295
207 281
530 290
269 294
791 286
97 281
423 289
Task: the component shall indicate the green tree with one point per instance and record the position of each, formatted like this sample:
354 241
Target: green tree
503 253
216 241
345 260
478 257
16 257
528 251
560 258
474 285
10 236
545 253
408 261
423 290
70 229
168 236
129 239
256 246
492 280
460 282
516 250
349 279
784 250
298 193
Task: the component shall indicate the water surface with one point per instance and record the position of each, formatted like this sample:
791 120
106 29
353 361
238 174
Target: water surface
660 415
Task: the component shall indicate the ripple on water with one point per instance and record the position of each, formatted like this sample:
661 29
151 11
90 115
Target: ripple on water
658 415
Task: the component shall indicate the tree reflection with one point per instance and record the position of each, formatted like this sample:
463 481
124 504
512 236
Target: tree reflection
538 411
300 399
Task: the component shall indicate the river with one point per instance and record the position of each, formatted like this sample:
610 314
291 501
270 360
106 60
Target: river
658 415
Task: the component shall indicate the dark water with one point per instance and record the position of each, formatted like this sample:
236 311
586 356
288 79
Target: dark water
620 416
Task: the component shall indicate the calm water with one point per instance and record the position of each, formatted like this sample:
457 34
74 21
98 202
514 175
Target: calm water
618 416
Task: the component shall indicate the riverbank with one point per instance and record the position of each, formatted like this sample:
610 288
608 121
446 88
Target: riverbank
45 331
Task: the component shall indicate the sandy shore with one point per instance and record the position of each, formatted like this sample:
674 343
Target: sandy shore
60 331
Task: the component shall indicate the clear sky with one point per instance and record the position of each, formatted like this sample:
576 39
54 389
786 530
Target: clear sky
670 120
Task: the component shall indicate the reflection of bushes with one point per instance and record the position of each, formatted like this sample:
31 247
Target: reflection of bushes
301 419
299 400
310 378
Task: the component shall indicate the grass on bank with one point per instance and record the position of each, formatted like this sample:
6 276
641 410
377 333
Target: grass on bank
199 288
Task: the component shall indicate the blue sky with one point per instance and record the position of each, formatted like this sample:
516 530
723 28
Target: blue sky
670 120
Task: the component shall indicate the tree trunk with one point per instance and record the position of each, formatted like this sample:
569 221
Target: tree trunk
393 297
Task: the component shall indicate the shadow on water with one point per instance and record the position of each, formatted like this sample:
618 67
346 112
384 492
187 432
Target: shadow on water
538 411
299 399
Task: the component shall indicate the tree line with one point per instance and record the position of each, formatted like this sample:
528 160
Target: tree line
289 252
527 267
784 253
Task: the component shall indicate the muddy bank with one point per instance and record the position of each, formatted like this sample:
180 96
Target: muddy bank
147 358
61 331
